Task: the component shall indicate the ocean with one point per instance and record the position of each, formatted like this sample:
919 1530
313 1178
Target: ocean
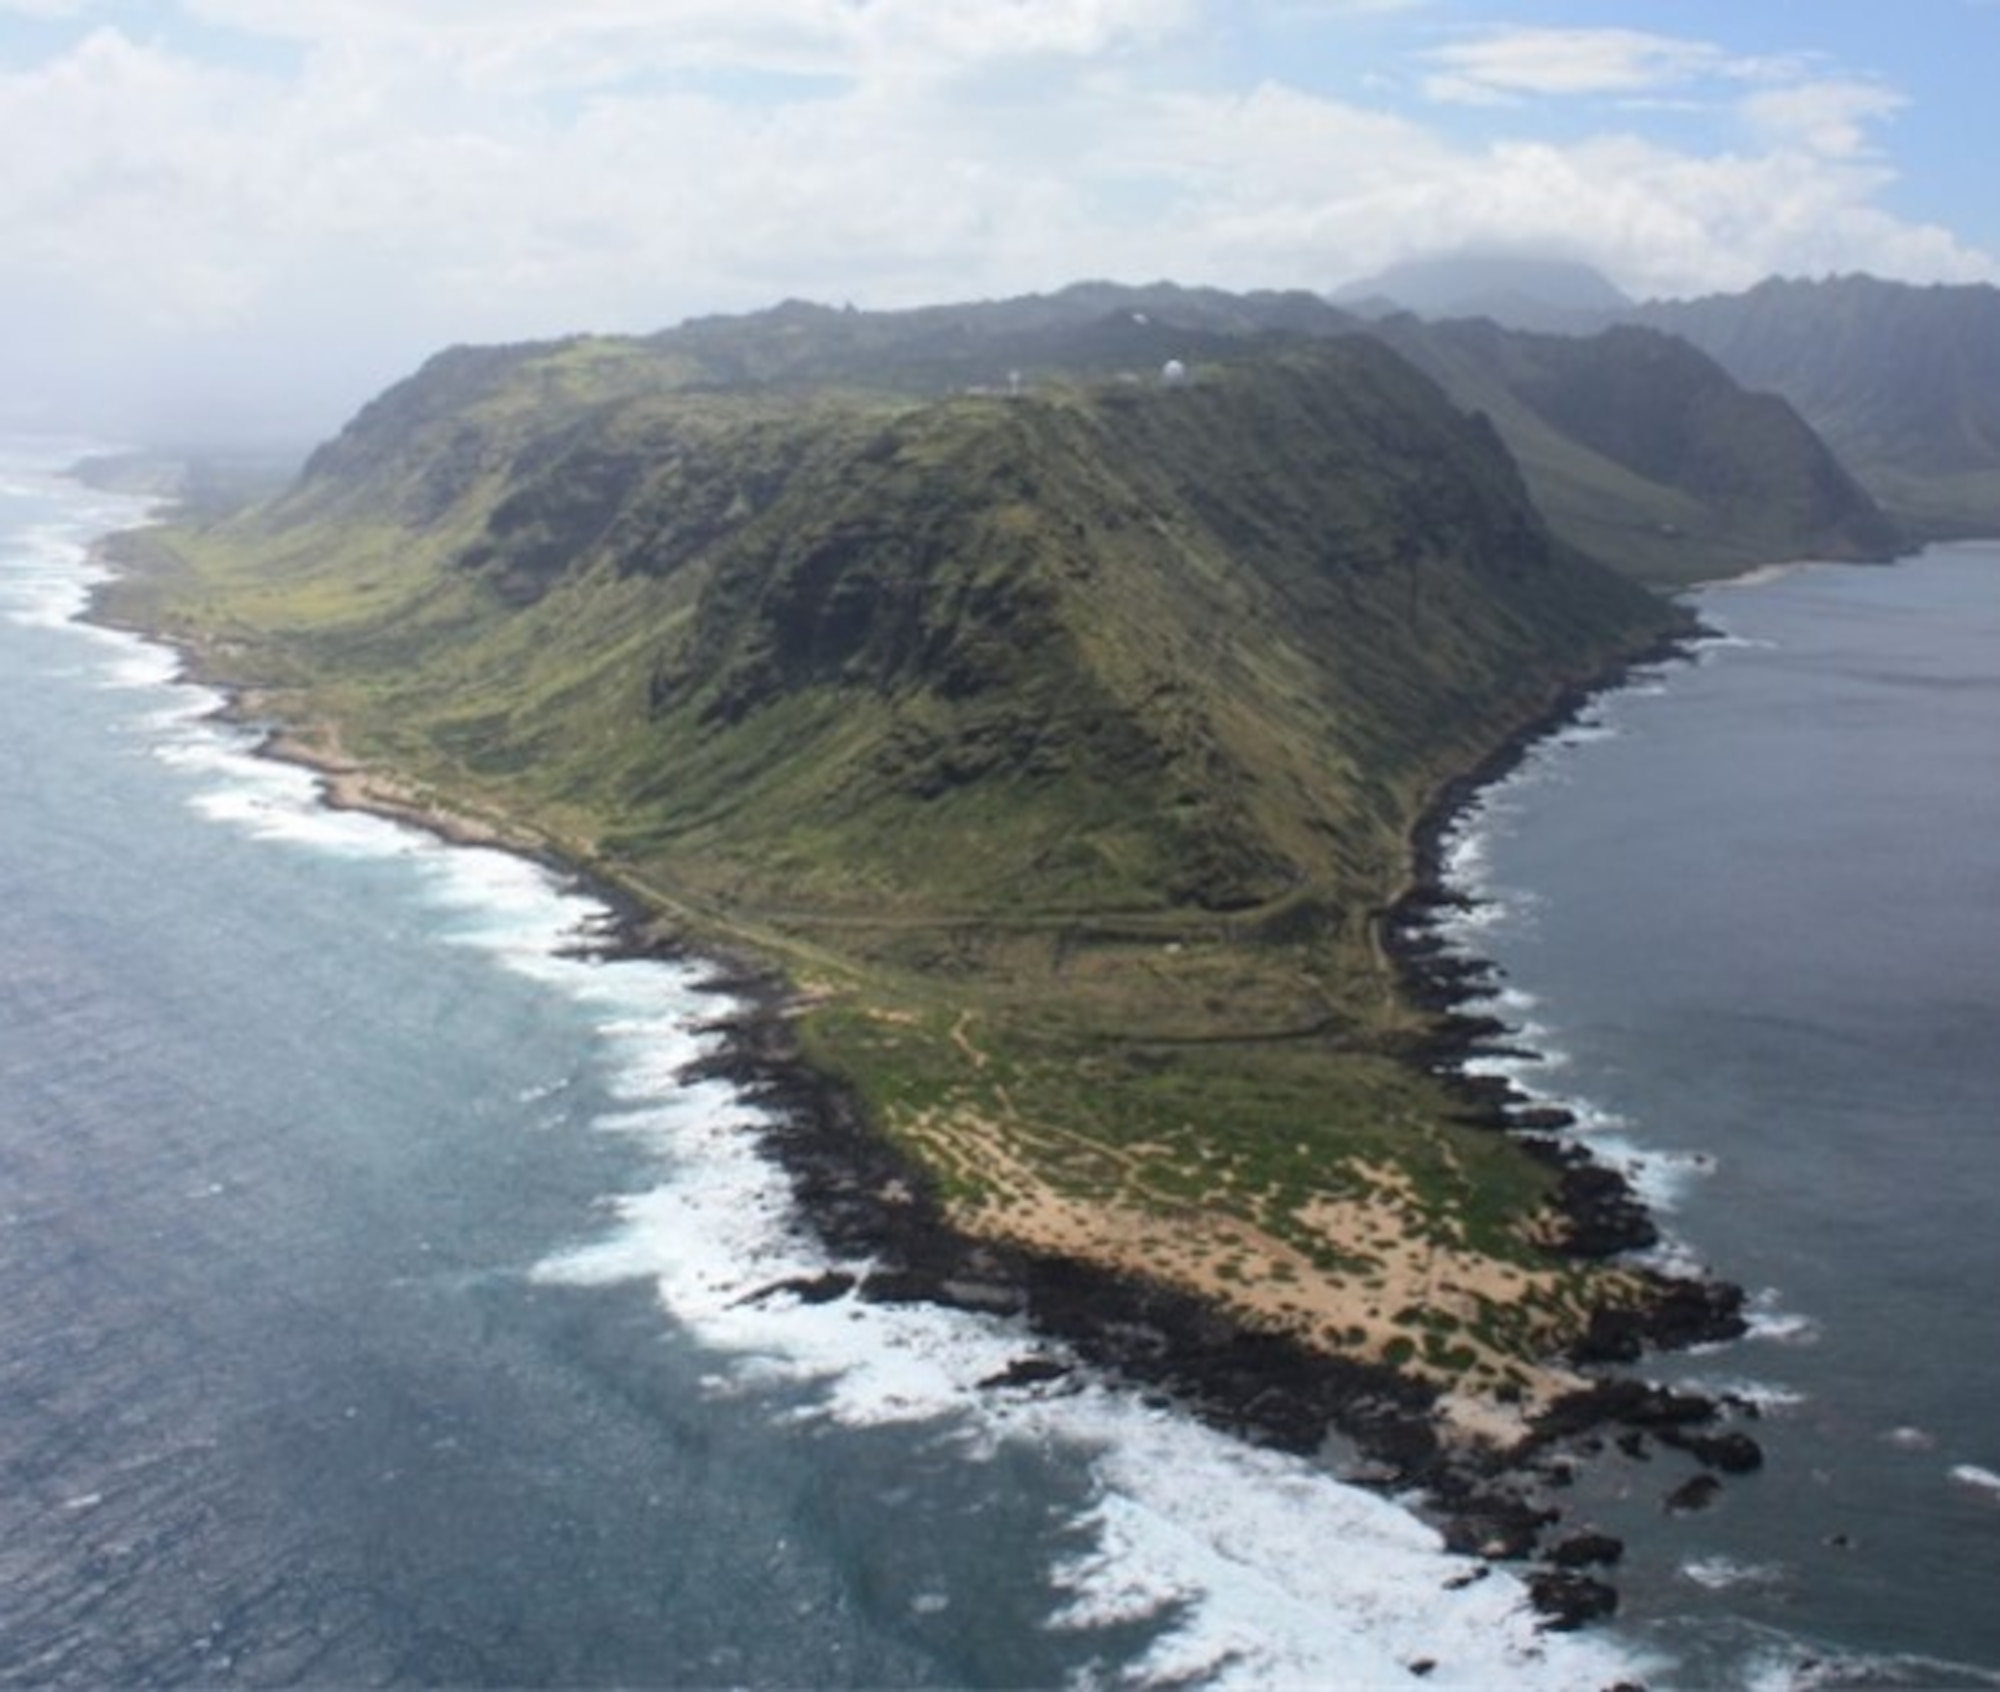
1748 914
379 1302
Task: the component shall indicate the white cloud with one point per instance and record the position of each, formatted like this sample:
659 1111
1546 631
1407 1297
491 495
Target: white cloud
125 178
1668 222
404 175
1829 118
1515 64
531 43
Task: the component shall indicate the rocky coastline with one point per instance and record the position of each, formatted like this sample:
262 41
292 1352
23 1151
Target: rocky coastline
1605 1215
1373 1426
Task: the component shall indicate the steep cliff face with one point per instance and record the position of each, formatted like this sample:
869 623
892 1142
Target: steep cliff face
1644 451
1201 643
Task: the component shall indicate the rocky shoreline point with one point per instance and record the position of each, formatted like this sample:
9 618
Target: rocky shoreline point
867 1203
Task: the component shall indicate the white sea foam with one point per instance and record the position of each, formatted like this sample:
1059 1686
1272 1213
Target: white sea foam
1465 929
279 802
1979 1479
1524 1068
1788 1664
1662 1180
1595 1119
186 705
1514 1006
1587 732
1278 1574
1719 1574
1768 1397
136 663
46 580
1466 860
43 605
1294 1579
1778 1326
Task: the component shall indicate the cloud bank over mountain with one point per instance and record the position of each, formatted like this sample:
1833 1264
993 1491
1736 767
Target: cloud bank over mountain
256 212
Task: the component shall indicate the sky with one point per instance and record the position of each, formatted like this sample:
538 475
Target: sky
243 217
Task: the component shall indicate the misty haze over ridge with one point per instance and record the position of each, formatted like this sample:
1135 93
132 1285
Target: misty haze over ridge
1515 289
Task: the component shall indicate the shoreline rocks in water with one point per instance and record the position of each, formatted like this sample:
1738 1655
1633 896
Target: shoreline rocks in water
867 1204
1606 1217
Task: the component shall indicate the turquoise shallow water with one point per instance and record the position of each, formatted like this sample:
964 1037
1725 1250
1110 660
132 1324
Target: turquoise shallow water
1749 912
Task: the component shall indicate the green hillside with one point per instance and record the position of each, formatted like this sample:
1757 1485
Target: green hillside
1064 749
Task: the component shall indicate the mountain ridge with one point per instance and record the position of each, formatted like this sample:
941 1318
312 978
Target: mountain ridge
1516 290
1065 746
1646 521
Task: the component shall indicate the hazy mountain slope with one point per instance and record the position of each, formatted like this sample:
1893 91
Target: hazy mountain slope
1066 748
1089 328
1903 381
1642 451
1518 290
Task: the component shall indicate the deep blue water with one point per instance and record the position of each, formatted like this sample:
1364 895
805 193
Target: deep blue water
279 1397
1751 912
374 1296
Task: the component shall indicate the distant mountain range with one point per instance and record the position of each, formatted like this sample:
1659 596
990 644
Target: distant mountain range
1902 381
1645 453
